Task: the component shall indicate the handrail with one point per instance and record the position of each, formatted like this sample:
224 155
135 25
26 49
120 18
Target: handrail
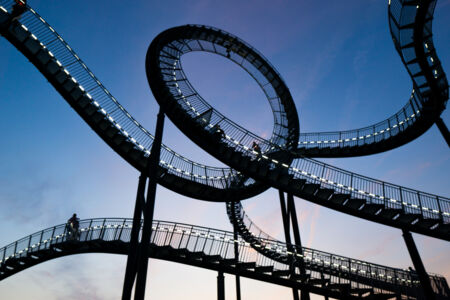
195 238
131 129
371 190
262 241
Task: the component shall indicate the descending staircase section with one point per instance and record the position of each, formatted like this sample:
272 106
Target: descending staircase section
207 248
381 279
320 183
71 77
410 22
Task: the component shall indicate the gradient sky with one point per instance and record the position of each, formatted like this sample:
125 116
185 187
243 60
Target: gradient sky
338 60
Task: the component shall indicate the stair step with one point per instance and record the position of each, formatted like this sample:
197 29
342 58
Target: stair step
390 213
213 258
310 188
228 261
324 193
408 218
381 296
427 223
360 291
355 203
280 273
264 269
339 286
246 265
372 208
301 277
297 183
198 254
317 281
339 198
445 228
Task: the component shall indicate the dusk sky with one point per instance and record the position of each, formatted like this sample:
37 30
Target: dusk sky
339 62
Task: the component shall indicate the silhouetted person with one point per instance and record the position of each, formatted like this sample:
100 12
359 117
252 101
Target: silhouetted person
217 131
257 149
72 225
18 9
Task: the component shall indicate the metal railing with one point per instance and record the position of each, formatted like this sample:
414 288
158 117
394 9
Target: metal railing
329 262
209 241
114 112
406 200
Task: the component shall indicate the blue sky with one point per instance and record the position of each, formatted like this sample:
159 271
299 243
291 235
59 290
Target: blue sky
340 65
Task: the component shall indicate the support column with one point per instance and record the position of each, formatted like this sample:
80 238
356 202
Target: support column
418 265
298 243
444 130
131 269
149 209
236 255
220 286
137 261
287 235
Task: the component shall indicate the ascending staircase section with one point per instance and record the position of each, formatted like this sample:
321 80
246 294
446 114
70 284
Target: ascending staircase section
410 23
214 249
70 76
378 278
309 179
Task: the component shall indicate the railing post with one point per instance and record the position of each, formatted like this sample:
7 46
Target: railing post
102 231
121 230
89 231
420 203
15 249
401 200
441 215
53 234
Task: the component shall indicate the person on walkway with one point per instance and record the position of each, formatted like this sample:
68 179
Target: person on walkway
18 9
257 149
217 131
73 224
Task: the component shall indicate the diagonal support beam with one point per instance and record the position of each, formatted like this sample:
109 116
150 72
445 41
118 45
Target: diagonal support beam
137 262
418 265
444 130
287 235
298 243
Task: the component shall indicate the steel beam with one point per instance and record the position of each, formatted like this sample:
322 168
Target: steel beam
418 265
131 268
220 286
298 243
287 235
444 130
236 255
149 209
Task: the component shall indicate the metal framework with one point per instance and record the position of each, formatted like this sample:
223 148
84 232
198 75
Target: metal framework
214 249
279 162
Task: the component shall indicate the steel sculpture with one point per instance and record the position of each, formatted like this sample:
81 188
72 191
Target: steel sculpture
281 162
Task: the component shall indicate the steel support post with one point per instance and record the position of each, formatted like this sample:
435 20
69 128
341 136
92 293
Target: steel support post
287 235
298 243
236 255
131 269
220 286
418 265
444 130
149 209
